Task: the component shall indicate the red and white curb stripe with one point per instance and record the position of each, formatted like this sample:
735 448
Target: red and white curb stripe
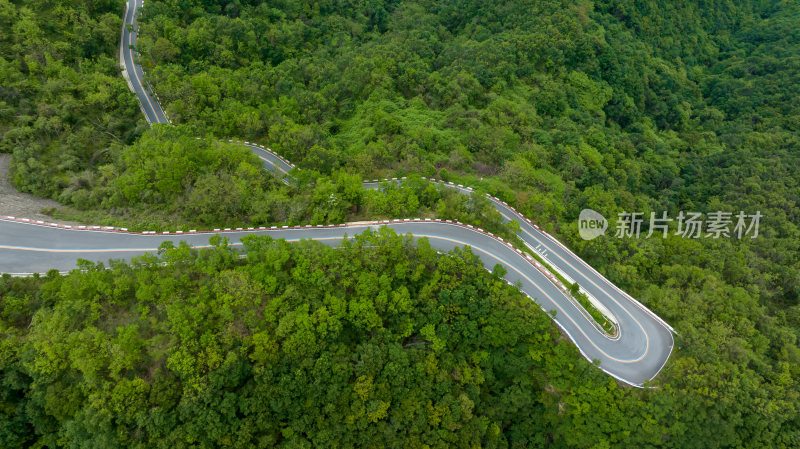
527 257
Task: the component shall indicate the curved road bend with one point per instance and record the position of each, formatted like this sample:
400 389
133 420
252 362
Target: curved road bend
635 356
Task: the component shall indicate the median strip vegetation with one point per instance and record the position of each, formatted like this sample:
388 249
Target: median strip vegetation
605 323
573 292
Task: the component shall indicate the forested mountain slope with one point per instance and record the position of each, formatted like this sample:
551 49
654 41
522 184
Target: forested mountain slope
63 105
378 343
553 106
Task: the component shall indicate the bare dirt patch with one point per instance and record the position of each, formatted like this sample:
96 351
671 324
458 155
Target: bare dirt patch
22 205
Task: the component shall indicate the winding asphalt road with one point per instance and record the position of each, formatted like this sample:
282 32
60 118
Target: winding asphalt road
635 355
133 72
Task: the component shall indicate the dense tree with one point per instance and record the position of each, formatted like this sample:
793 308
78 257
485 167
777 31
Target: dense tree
378 342
63 104
613 105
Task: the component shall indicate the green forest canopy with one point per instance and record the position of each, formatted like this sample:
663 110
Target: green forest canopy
553 106
380 343
376 341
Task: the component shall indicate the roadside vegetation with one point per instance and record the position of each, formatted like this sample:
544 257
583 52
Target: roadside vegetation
171 180
63 103
553 107
380 342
